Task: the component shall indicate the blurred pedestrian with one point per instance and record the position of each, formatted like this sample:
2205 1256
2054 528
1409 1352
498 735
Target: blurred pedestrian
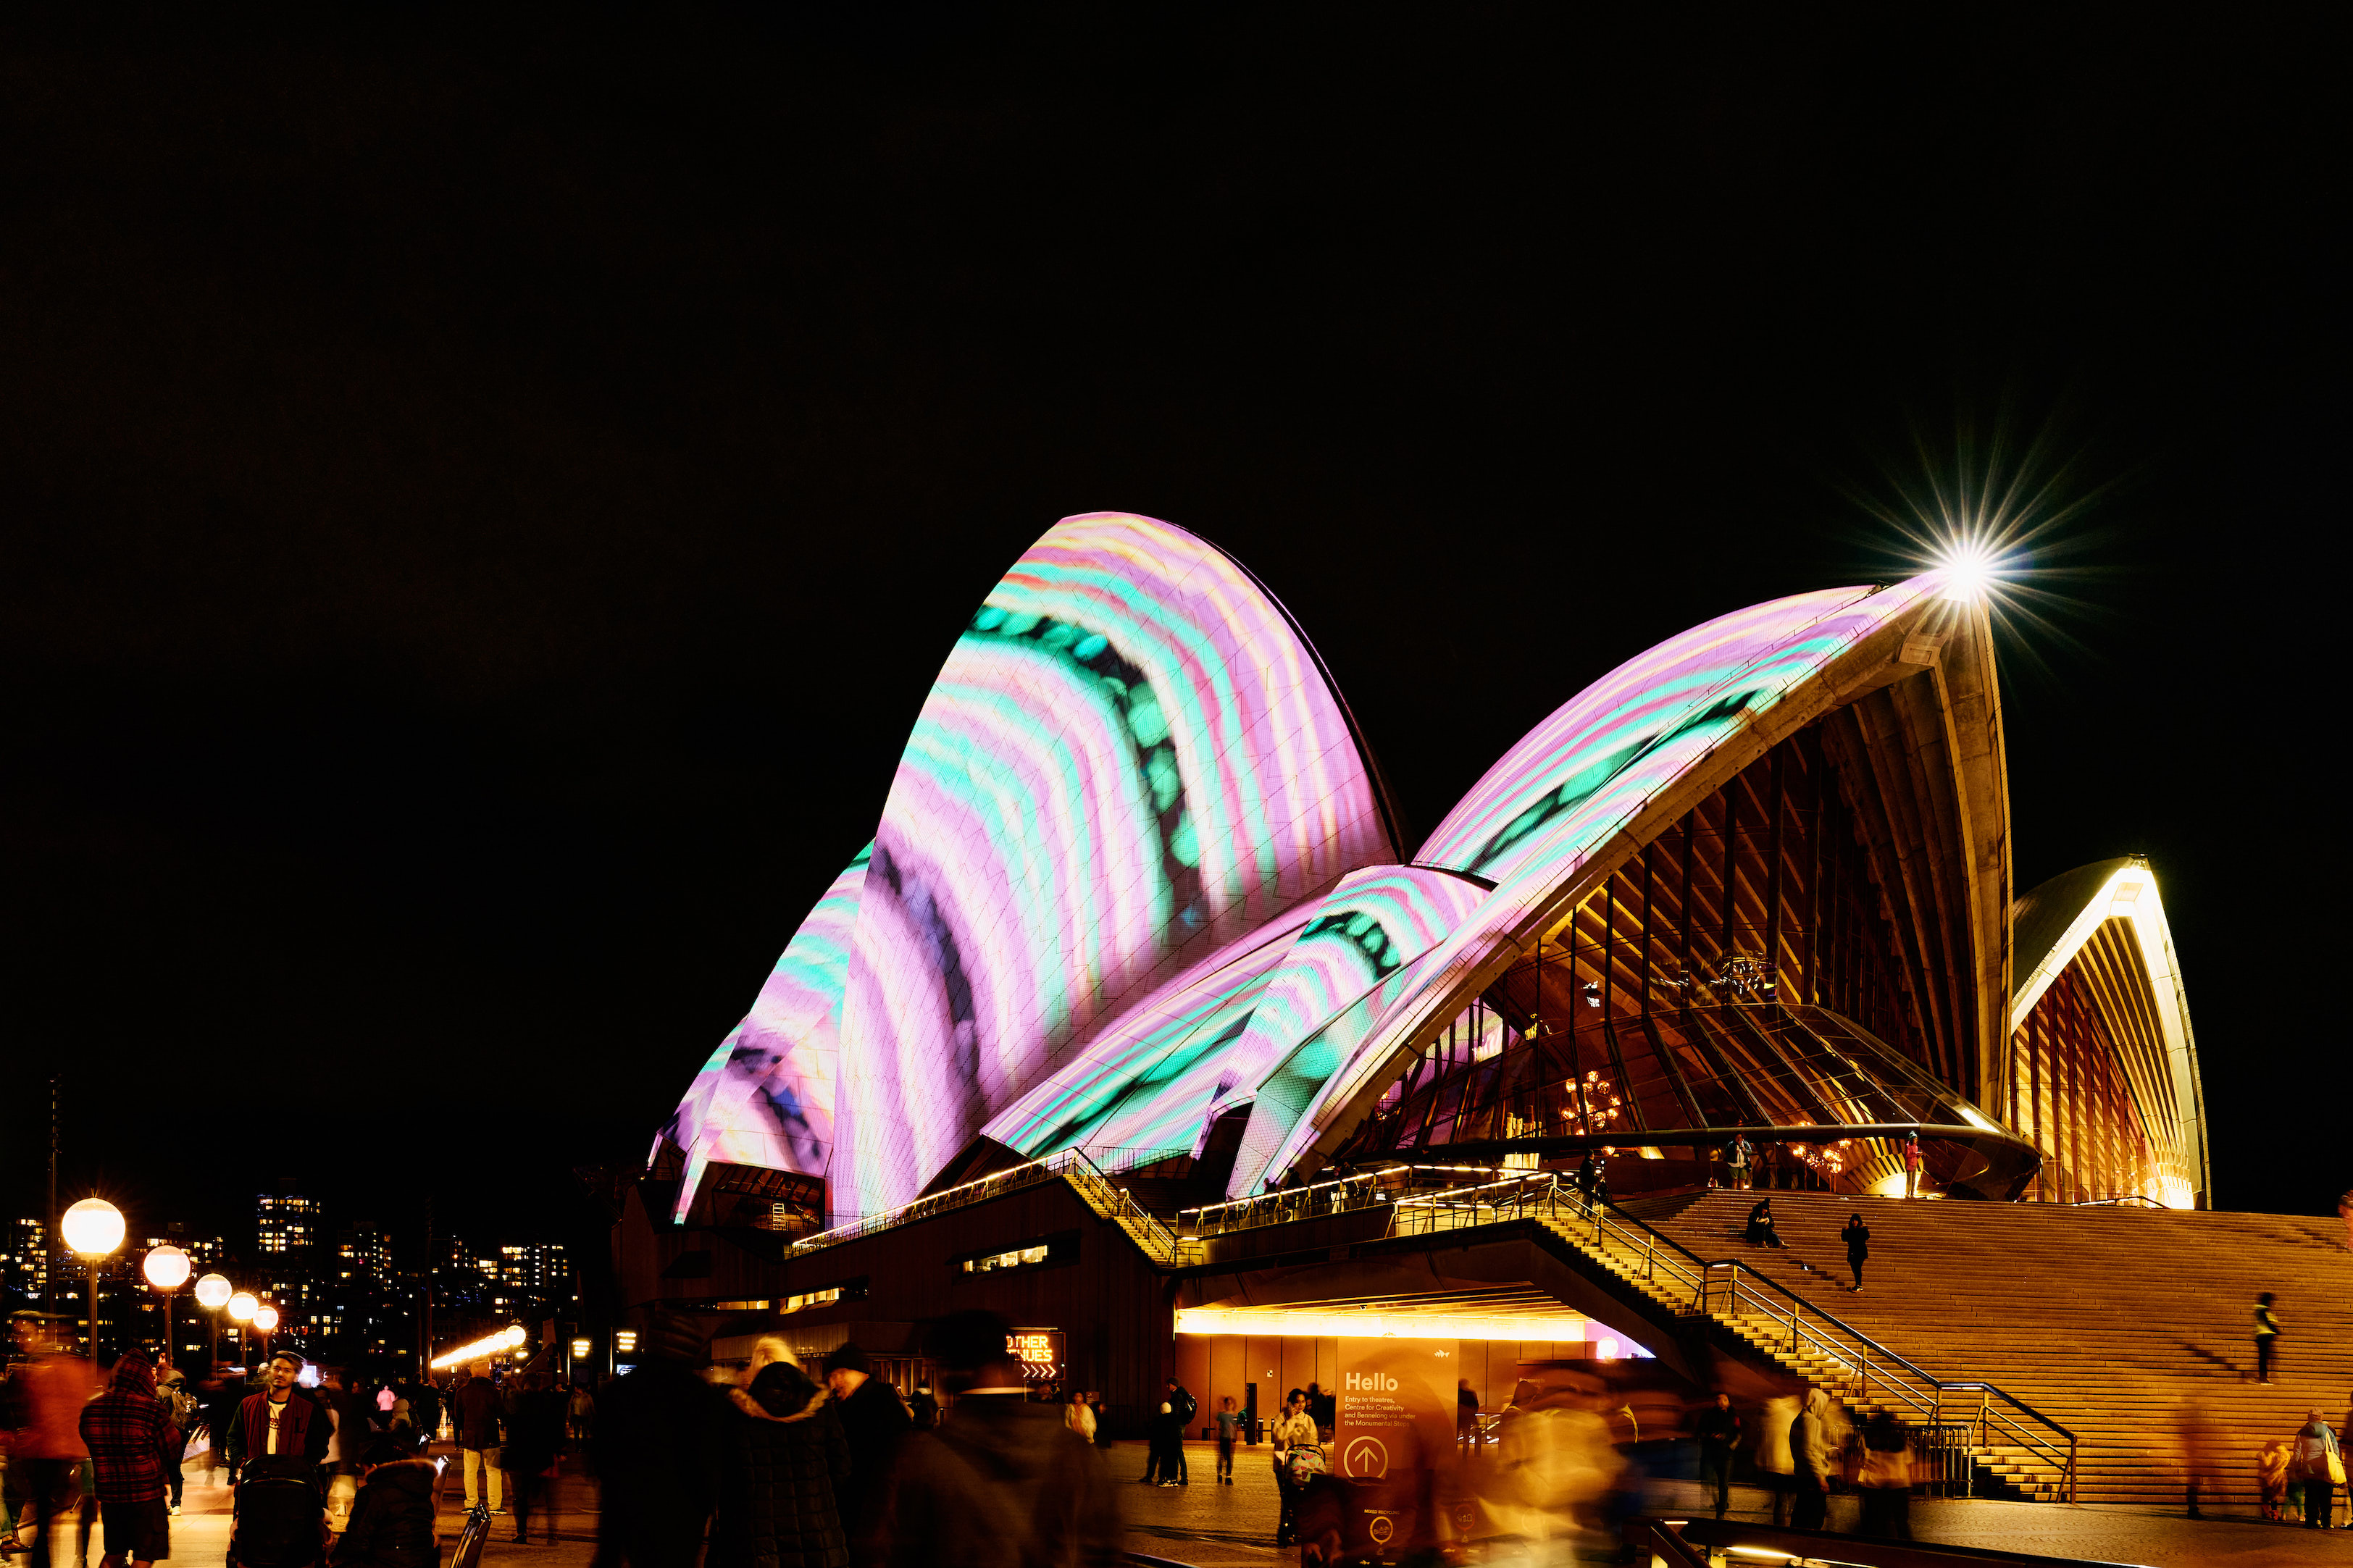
2267 1333
2200 1453
1230 1425
923 1410
1772 1456
1718 1431
783 1459
391 1519
999 1485
129 1440
180 1413
1294 1433
1857 1236
658 1439
1812 1448
2273 1460
479 1415
219 1397
2319 1464
580 1414
1466 1416
874 1423
1167 1446
1886 1481
1075 1416
46 1451
1182 1407
534 1434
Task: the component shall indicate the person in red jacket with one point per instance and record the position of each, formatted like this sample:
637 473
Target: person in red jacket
45 1449
130 1442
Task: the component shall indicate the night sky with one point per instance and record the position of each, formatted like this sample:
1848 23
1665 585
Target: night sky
479 510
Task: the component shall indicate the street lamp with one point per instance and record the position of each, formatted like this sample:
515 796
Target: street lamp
212 1294
241 1307
167 1268
92 1228
264 1323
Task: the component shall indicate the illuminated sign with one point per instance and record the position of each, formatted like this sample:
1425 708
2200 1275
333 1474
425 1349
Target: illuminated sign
1038 1351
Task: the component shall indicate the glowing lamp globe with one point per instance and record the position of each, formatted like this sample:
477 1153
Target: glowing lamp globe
167 1268
265 1320
213 1292
92 1228
243 1305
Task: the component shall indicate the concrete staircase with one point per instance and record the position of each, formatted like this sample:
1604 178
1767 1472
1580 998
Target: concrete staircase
2118 1322
1812 1349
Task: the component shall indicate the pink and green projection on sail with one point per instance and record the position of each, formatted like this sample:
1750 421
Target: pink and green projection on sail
1133 875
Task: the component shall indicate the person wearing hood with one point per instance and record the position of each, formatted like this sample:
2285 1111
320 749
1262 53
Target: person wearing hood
875 1424
1001 1484
1815 1453
391 1519
783 1458
658 1452
2319 1464
130 1442
1760 1232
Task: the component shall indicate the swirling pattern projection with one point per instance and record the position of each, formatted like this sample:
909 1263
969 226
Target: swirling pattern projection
1207 1043
1589 766
1129 761
767 1096
1556 796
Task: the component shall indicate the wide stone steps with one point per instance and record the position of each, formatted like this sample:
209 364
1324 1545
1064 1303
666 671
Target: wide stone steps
2028 1474
2130 1327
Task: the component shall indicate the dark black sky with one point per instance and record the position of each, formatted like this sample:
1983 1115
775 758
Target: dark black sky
483 502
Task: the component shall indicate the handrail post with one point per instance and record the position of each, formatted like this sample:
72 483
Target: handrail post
1793 1325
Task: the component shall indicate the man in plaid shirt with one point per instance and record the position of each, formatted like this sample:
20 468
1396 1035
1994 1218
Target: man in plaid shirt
130 1442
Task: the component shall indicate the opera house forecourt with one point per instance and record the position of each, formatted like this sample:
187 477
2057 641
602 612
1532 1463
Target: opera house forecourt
1139 1019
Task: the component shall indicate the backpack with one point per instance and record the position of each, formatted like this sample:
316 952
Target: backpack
184 1404
1186 1408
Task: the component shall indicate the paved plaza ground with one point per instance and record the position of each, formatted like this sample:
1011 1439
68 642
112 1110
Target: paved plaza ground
1209 1525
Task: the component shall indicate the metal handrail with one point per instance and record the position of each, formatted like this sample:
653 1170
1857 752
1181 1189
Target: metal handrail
1114 1202
1543 1191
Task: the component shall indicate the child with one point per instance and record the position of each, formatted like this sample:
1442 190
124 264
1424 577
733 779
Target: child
1229 1422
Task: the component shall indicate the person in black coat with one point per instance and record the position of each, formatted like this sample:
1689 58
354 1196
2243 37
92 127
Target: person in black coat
1760 1232
392 1521
1857 1236
535 1437
658 1452
783 1459
875 1424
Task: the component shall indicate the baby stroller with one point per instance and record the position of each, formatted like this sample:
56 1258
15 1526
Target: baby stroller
280 1523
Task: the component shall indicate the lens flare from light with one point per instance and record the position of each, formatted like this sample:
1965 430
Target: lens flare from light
1970 570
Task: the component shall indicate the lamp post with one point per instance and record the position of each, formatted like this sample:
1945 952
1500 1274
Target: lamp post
212 1292
241 1307
92 1228
264 1323
167 1268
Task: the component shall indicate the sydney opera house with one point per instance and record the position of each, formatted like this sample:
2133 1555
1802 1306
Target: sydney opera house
1140 961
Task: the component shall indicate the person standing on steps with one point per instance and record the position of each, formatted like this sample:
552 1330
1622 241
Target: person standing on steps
1912 1167
1739 1156
2267 1333
2320 1463
1857 1236
1717 1429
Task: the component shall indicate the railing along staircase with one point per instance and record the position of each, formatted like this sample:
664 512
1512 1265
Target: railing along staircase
2029 1451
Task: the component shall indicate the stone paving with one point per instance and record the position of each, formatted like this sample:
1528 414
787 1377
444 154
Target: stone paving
1205 1525
1209 1525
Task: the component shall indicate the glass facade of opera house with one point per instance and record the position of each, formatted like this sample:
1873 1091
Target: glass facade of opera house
1139 934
